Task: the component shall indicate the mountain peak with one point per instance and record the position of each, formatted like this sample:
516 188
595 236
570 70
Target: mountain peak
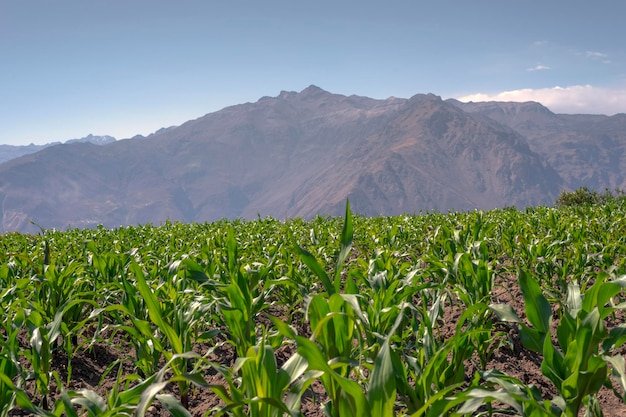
313 89
95 139
429 97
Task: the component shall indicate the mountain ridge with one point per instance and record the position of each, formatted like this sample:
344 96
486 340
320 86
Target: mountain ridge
301 154
8 152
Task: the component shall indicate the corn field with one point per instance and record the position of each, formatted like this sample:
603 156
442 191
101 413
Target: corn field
504 312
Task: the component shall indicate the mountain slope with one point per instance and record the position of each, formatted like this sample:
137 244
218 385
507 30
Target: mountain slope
586 150
297 154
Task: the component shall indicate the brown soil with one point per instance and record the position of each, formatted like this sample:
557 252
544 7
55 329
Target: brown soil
88 365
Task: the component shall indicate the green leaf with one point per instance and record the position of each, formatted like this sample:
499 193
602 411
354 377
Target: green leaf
154 310
310 261
618 366
352 401
134 394
552 364
505 312
566 330
346 246
91 401
295 366
538 310
607 291
574 299
231 250
381 394
531 338
594 377
67 405
147 396
617 337
172 405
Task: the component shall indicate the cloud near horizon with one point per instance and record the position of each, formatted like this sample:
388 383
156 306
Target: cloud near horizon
574 99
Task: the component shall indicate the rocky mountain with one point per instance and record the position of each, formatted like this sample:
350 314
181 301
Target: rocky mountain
8 152
586 150
96 140
303 154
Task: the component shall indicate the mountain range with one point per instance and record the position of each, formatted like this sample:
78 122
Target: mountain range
8 152
301 154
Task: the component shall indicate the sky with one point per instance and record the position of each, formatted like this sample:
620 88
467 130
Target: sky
69 68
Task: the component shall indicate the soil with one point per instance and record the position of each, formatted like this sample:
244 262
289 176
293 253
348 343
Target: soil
89 365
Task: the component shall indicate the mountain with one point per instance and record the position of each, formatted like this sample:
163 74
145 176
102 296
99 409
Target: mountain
8 152
96 140
586 150
300 154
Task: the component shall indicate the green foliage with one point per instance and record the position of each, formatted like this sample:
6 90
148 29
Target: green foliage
386 315
578 364
583 196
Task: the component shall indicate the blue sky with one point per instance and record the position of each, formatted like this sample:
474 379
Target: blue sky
121 67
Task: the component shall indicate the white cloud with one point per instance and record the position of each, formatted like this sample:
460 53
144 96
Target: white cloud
539 67
572 99
597 56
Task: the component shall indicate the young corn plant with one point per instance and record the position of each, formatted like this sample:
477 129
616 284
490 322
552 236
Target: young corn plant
244 296
332 354
121 400
161 329
508 392
258 388
124 308
41 337
331 286
383 298
430 372
10 368
177 331
578 364
127 397
462 266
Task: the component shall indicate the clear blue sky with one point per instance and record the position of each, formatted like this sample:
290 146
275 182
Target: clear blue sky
124 67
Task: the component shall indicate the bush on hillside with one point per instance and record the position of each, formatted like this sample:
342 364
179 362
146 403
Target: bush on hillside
585 196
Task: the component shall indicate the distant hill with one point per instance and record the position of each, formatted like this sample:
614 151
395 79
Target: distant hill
303 153
8 152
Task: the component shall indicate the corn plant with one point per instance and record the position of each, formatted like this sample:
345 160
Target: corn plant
577 365
244 296
434 368
121 400
13 396
41 335
509 392
257 387
127 397
332 355
177 334
331 286
383 293
375 294
159 329
10 368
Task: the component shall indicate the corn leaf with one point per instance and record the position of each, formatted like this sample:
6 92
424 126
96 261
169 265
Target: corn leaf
537 308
